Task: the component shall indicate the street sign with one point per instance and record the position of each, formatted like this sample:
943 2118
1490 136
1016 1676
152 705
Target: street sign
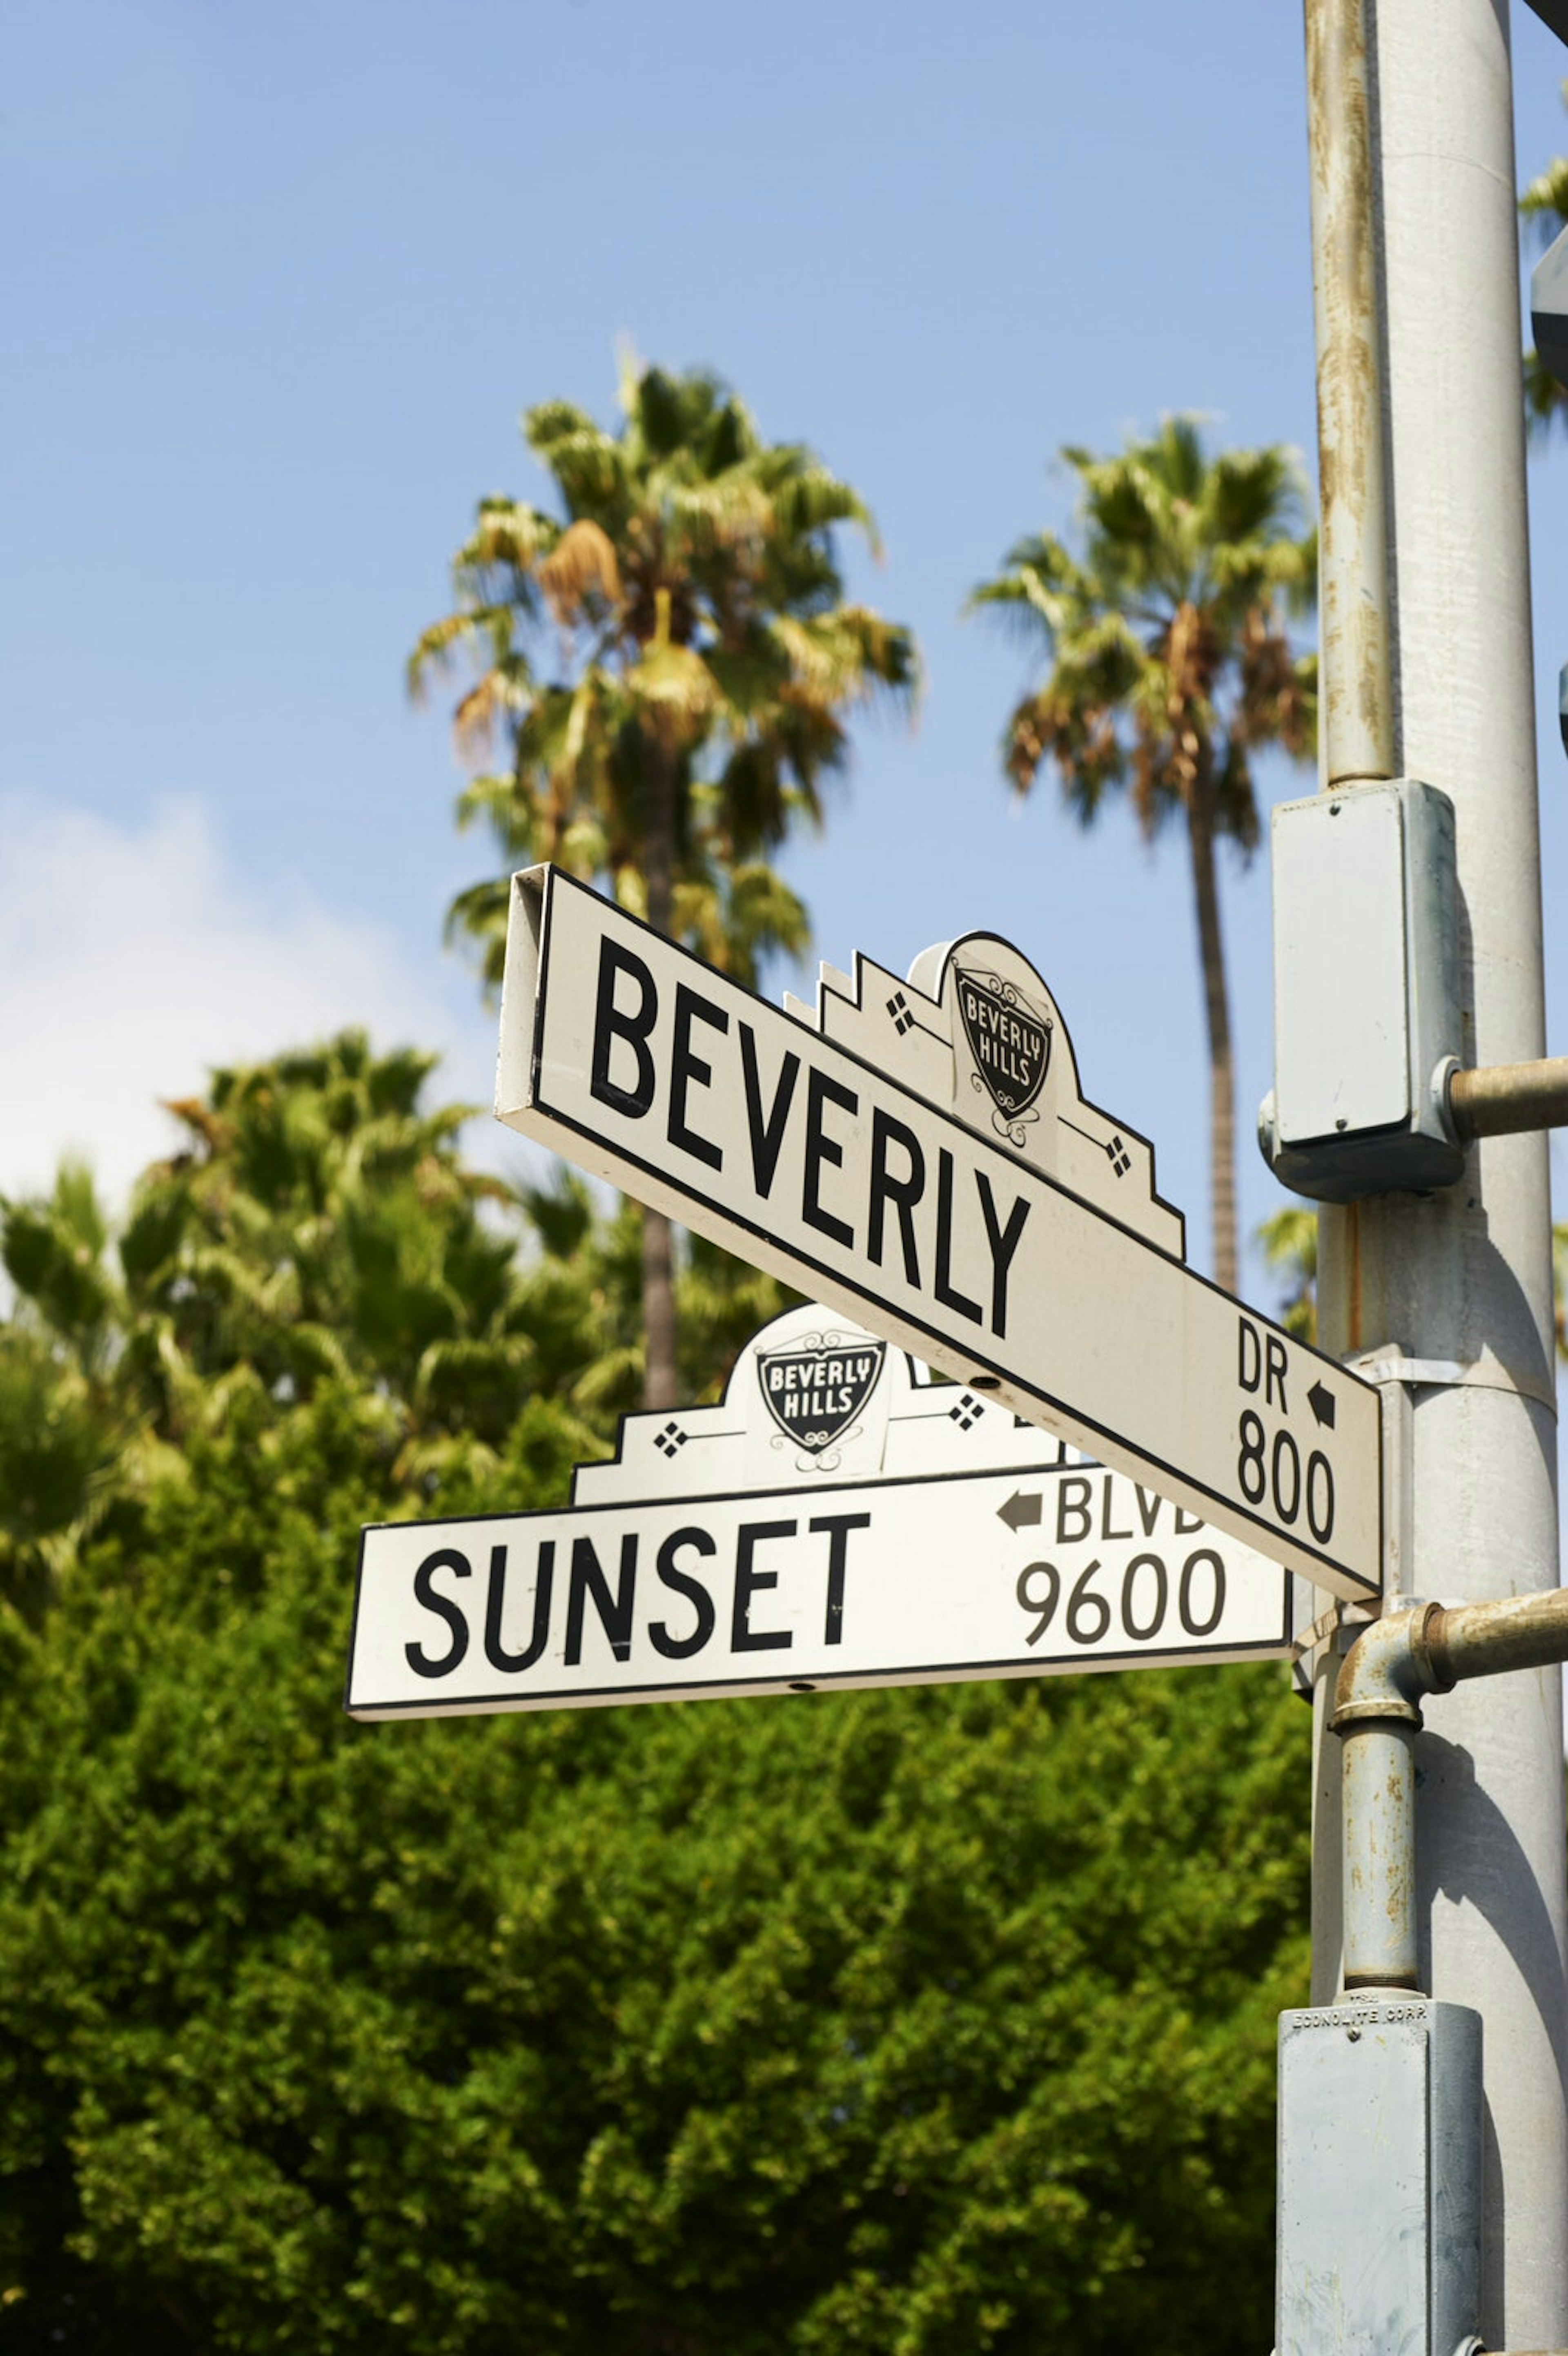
835 1520
1553 14
919 1155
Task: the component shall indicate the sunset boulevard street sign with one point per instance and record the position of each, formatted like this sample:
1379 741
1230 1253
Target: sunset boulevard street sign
835 1520
919 1155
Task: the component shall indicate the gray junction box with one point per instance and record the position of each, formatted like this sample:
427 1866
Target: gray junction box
1366 1020
1380 2179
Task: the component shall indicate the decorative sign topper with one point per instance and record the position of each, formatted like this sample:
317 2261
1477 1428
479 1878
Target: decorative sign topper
816 1387
975 1032
837 1519
920 1156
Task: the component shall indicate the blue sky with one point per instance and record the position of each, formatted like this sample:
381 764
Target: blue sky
278 284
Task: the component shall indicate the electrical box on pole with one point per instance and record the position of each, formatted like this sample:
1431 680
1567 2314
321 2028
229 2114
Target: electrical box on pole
1380 2179
1367 1027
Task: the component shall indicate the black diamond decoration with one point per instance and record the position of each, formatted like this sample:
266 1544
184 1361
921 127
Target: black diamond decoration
898 1007
671 1439
967 1412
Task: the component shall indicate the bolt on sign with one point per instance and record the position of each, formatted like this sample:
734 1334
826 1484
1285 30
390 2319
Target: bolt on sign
837 1519
919 1155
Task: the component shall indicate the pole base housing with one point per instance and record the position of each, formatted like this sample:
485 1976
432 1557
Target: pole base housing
1379 2178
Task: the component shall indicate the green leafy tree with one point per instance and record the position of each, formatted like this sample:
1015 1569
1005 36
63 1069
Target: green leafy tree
670 663
318 1224
916 2022
830 2026
77 1442
1169 669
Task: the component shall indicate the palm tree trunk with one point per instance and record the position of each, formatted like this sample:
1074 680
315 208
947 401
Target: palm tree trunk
660 1376
1222 1075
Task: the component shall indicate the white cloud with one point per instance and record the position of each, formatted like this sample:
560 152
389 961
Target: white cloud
132 960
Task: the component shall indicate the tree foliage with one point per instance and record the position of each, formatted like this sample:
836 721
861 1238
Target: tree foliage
317 1225
1169 669
668 664
914 2023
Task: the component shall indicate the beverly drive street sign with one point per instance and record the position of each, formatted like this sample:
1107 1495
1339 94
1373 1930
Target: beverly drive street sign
835 1520
920 1156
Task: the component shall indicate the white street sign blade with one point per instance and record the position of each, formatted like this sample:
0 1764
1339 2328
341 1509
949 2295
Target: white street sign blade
923 1160
834 1520
895 1582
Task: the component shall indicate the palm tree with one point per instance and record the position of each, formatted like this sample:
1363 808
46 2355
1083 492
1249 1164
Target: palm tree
1544 205
670 663
319 1223
71 1436
1169 666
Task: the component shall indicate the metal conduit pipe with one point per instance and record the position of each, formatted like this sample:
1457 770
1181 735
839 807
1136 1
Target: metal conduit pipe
1354 577
1508 1098
1428 1649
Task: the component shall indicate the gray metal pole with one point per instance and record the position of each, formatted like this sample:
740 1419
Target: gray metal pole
1461 1283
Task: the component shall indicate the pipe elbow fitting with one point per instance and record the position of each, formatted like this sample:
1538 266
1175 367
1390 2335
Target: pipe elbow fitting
1389 1668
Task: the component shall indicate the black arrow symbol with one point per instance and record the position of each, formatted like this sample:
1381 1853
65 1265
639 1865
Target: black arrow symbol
1321 1402
1020 1512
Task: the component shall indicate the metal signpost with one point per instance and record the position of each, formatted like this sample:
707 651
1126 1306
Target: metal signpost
920 1155
833 1521
1424 2138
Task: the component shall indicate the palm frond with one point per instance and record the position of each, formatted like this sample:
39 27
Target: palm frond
580 570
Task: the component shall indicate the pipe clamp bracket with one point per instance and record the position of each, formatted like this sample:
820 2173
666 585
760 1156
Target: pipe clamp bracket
1446 1374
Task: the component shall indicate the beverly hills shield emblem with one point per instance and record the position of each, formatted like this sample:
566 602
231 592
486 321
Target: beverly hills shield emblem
815 1391
1010 1044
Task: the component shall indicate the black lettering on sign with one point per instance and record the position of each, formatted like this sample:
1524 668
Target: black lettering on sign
685 1067
1186 1522
1275 1372
1088 1614
1043 1607
614 1610
1140 1630
767 1130
1276 1474
743 1637
496 1653
821 1091
1072 1497
683 1582
611 1022
945 1292
1107 1492
1004 1243
1250 1371
1190 1620
838 1527
445 1608
903 1193
1149 1505
1286 1477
